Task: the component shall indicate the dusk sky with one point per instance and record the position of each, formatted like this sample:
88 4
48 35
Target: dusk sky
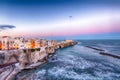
76 19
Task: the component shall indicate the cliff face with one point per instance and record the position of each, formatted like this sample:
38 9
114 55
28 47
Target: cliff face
21 57
27 58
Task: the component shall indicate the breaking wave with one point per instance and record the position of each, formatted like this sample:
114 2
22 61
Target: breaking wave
78 63
74 67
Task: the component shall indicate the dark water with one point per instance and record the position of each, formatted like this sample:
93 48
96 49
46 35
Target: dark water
80 63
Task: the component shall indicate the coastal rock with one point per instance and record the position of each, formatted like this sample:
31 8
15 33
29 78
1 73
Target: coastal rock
28 58
23 59
1 58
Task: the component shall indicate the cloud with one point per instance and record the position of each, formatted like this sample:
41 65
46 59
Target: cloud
4 27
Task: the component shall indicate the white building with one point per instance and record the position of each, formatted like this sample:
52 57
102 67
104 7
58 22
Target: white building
7 42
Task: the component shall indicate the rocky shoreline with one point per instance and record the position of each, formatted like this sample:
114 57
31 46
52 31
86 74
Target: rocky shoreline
13 62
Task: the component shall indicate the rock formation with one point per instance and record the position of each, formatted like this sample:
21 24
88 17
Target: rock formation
26 58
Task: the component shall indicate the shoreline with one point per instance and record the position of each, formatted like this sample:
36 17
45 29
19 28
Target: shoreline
31 60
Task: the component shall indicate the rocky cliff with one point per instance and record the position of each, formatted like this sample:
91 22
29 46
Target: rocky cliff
13 61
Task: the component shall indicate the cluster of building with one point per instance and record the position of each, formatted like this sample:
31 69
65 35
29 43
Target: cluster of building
10 43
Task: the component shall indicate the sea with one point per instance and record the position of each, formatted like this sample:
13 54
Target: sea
80 63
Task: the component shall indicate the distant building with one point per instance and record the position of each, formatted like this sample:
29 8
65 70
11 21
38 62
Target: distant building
27 44
43 42
69 40
6 43
0 45
32 43
9 43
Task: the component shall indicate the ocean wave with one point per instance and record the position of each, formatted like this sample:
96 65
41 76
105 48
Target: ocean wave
68 64
71 62
63 73
79 43
108 46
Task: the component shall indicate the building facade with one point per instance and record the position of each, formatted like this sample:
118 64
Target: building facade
9 43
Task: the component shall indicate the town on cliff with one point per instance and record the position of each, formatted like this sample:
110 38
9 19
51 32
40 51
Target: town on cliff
12 43
19 53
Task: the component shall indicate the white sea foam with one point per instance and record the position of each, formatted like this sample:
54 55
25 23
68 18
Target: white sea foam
39 75
66 70
70 61
63 72
79 43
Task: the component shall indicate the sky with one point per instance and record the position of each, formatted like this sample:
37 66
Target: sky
75 19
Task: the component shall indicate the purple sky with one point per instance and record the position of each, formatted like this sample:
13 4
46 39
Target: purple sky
61 17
